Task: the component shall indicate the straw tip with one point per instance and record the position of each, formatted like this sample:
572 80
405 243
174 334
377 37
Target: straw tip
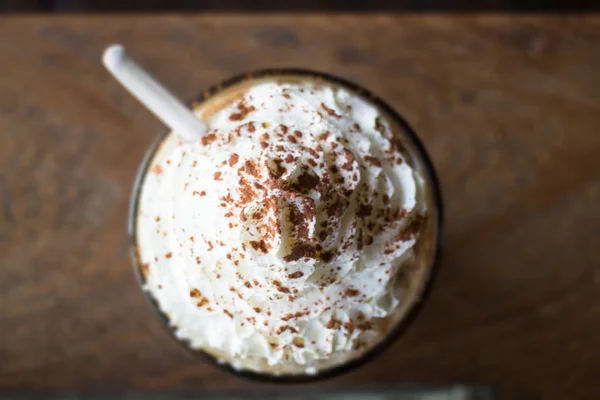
113 56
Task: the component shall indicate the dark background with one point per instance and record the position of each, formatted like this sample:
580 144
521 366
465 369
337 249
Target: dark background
297 5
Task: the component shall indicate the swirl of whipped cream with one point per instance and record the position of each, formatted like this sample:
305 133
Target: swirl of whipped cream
275 240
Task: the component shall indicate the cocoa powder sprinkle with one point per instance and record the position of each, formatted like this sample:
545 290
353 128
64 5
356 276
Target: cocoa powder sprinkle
208 139
157 169
373 160
364 210
296 275
243 111
299 251
259 245
330 111
333 323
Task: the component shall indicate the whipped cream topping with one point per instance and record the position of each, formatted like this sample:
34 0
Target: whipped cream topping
275 241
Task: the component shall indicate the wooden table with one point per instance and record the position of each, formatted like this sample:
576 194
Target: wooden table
508 107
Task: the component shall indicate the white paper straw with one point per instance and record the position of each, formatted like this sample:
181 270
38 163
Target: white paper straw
152 94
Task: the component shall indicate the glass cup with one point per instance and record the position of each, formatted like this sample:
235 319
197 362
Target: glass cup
427 248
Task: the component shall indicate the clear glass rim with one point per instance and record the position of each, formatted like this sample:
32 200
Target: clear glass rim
401 325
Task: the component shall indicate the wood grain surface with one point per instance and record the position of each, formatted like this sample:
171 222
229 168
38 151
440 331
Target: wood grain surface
509 109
